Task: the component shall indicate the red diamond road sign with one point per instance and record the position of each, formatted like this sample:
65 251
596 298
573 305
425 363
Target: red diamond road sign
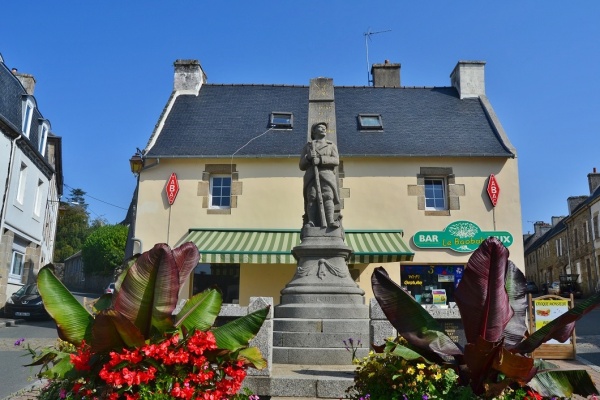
172 188
493 190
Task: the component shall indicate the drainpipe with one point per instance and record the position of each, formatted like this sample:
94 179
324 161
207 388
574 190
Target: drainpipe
8 183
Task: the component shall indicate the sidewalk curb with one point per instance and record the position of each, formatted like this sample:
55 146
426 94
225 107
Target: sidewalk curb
30 392
6 322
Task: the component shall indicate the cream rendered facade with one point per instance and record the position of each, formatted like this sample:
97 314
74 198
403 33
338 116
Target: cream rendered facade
379 198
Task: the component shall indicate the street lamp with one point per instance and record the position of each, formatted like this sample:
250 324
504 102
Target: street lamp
136 163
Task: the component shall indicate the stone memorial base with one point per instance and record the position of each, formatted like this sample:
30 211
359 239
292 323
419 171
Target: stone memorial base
321 307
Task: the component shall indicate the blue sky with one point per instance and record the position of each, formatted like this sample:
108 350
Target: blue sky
104 72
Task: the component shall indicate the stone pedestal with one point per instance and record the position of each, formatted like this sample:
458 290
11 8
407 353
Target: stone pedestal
321 307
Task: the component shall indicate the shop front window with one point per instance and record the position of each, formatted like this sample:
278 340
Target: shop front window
431 284
225 276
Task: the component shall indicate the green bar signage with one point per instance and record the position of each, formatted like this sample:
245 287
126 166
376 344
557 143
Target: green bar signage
460 236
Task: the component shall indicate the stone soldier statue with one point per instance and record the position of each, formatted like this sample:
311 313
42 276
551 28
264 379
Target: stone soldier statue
318 159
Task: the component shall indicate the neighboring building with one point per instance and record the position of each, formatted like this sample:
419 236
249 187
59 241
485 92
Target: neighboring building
571 245
31 172
417 164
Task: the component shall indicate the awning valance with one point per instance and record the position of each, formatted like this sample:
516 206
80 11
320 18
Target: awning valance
248 246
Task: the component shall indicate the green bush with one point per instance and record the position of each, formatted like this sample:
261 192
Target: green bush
104 249
386 376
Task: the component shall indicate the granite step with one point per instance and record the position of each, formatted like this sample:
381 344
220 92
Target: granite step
302 382
315 356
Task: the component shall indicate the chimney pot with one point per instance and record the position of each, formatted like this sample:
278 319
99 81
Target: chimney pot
469 79
386 74
189 76
593 181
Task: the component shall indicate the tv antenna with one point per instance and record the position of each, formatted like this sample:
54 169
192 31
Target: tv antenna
368 35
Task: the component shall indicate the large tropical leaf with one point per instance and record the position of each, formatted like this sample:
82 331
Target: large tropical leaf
551 381
149 290
516 285
200 311
410 319
236 334
73 321
113 331
253 357
481 295
559 328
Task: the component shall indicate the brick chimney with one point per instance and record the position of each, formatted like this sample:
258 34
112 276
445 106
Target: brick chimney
575 201
386 74
28 81
468 78
189 76
593 181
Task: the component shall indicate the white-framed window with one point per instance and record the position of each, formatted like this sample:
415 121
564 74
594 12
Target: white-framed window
22 184
38 199
282 120
370 122
28 108
43 137
586 228
435 194
220 191
595 224
17 265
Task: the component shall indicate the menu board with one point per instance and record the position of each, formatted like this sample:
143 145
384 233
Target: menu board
546 310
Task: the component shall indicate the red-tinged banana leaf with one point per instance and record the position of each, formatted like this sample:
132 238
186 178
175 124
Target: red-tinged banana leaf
515 367
200 311
149 290
252 356
236 334
113 331
479 358
102 303
481 295
73 321
187 257
516 285
551 381
411 320
559 328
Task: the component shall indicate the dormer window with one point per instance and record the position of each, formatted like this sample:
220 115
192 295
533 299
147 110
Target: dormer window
43 137
282 120
28 108
370 122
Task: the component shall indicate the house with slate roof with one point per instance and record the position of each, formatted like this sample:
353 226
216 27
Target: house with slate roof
572 244
425 175
31 172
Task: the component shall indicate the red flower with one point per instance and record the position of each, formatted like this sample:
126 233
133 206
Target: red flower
81 359
532 394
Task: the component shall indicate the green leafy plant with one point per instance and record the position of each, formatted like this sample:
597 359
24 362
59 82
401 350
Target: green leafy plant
136 347
492 300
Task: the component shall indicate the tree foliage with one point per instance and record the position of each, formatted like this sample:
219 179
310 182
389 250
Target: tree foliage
104 249
72 227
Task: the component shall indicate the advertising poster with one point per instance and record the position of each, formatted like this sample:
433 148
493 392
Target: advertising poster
546 311
439 296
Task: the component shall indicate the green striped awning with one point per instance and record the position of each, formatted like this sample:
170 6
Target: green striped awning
377 247
249 246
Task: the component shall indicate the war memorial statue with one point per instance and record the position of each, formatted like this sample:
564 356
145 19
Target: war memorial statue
318 159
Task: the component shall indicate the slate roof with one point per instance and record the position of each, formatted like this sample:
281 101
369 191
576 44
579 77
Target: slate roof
11 106
224 120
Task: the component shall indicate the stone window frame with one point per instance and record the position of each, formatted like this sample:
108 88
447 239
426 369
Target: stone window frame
453 190
204 186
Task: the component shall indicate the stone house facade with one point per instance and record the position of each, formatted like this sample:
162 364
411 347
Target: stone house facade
415 164
31 173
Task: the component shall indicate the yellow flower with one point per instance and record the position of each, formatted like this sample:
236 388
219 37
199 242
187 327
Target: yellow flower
437 376
410 370
420 365
420 378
